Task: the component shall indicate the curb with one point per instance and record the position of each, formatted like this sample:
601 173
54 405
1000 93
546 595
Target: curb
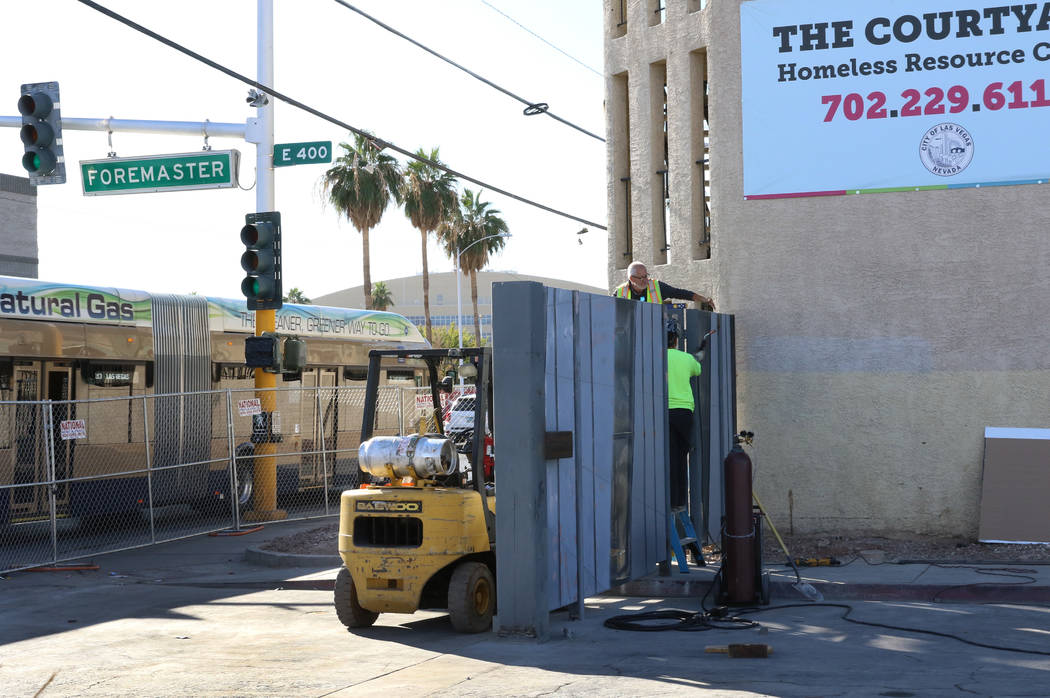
269 558
680 587
977 592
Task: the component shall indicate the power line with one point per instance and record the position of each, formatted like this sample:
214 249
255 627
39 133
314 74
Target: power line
568 55
374 140
531 108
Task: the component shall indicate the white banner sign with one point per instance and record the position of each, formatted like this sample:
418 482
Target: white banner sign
866 97
250 406
73 429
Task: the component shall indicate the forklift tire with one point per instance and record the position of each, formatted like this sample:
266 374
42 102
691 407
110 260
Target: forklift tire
349 611
471 597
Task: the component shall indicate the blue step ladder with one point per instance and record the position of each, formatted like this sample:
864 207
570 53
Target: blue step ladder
687 540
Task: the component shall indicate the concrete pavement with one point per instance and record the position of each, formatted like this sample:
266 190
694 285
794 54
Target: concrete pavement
193 617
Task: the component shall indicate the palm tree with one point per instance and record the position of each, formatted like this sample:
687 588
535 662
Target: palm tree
471 234
381 298
360 185
429 195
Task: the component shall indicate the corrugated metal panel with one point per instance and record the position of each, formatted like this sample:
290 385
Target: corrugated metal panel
600 517
182 423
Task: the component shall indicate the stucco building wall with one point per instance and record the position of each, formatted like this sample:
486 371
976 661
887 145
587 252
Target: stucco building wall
18 234
877 335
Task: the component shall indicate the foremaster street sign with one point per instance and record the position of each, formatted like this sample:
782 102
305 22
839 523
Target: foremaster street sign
206 169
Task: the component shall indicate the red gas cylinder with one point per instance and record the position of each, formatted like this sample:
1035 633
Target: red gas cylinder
738 534
488 459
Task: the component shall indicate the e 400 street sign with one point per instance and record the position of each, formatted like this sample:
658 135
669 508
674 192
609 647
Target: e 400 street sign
285 154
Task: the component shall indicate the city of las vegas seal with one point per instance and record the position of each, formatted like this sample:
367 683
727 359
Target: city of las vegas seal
946 149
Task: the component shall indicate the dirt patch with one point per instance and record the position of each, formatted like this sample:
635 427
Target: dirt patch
316 541
874 549
844 549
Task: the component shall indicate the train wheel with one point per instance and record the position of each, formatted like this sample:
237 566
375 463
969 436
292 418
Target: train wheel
349 611
471 597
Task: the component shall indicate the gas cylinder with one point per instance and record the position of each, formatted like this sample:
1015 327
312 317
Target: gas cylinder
738 534
414 456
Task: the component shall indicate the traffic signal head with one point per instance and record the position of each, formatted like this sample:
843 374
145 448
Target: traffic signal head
261 260
42 133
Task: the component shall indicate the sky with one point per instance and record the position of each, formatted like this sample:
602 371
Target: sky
339 63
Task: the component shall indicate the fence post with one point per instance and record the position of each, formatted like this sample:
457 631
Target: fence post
149 468
235 504
400 410
49 454
319 422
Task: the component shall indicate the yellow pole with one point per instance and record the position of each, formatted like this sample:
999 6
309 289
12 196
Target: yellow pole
264 495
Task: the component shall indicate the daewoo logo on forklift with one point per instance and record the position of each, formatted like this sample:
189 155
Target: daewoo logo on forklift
400 556
379 505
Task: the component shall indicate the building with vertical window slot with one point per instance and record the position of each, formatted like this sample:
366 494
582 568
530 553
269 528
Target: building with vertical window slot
879 232
18 235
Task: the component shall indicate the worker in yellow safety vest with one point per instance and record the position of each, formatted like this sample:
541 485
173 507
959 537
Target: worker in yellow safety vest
642 287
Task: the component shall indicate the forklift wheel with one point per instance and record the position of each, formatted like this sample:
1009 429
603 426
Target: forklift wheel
347 608
471 597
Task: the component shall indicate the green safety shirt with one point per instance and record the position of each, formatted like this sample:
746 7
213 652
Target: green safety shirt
681 366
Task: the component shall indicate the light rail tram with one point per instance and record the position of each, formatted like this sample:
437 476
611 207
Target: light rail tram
126 368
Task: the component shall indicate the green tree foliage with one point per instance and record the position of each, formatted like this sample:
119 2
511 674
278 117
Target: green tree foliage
473 233
359 185
447 337
381 296
296 296
429 196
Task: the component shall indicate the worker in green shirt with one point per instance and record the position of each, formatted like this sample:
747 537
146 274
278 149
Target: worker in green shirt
681 366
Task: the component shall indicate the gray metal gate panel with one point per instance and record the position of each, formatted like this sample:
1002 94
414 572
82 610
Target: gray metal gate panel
717 420
569 527
522 579
596 395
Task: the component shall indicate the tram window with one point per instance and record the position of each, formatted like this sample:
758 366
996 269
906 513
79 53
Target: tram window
7 369
397 376
238 372
355 373
108 375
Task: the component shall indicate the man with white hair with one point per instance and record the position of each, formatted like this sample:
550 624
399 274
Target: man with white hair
642 287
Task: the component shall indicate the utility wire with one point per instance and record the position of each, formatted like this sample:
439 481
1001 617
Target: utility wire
377 142
483 2
531 108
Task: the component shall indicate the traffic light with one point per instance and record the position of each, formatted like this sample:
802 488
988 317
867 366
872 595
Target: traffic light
261 236
263 351
42 133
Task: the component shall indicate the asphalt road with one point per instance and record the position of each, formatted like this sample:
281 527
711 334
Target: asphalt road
190 618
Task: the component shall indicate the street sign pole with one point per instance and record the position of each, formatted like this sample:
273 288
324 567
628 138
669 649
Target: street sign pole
264 496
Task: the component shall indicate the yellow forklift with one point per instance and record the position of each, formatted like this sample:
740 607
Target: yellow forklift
422 535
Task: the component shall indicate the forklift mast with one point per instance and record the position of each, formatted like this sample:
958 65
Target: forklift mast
480 358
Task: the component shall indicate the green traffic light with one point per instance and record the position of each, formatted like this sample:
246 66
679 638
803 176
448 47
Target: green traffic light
39 163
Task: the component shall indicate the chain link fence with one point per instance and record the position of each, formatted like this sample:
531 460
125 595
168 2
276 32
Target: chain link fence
84 477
